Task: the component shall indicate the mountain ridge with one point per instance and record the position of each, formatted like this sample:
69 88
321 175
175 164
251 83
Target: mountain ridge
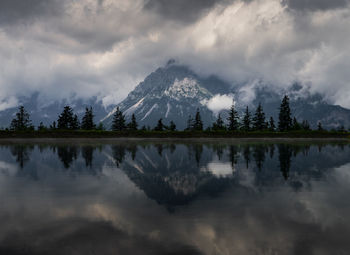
175 92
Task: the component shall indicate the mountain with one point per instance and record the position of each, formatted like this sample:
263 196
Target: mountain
49 111
174 92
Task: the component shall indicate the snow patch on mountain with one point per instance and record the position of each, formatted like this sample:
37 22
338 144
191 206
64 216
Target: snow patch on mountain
168 110
186 88
109 114
133 108
150 111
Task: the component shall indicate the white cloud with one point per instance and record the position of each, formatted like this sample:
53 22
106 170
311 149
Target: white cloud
10 102
220 102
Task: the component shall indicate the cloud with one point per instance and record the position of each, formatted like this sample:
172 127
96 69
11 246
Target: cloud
15 11
8 103
220 102
315 5
105 48
181 10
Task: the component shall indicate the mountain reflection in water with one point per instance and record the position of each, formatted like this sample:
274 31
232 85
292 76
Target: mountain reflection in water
139 197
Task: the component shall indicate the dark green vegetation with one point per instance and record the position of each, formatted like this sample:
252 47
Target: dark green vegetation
251 125
168 134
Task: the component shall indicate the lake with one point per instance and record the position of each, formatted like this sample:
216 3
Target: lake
174 197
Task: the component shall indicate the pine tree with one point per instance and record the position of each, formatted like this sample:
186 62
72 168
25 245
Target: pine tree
22 121
319 126
87 122
66 120
272 126
233 119
247 119
295 124
100 127
41 127
341 129
198 124
259 119
160 126
118 123
75 123
219 124
285 119
172 126
190 123
53 125
133 124
305 125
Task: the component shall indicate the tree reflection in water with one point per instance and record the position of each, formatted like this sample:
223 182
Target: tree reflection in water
171 158
87 153
21 152
282 190
67 154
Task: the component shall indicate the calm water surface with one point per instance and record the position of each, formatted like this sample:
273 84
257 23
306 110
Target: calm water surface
143 197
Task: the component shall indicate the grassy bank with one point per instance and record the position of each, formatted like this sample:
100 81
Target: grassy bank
168 134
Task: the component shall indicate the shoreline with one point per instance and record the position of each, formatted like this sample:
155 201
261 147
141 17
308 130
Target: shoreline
81 140
82 134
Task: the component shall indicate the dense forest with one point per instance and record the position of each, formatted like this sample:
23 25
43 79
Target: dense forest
249 122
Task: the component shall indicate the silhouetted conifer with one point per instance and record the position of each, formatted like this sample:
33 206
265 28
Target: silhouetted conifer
75 122
272 126
87 122
341 129
68 120
305 125
133 124
247 120
53 125
172 126
259 119
190 123
100 127
41 127
118 123
233 119
22 120
285 119
296 125
160 126
218 124
198 124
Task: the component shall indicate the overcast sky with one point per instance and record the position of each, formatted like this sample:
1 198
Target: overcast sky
105 47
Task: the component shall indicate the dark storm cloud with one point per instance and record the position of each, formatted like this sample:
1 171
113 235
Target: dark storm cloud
316 5
181 10
106 47
14 11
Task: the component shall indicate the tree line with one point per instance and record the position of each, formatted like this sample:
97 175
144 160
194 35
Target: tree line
67 120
